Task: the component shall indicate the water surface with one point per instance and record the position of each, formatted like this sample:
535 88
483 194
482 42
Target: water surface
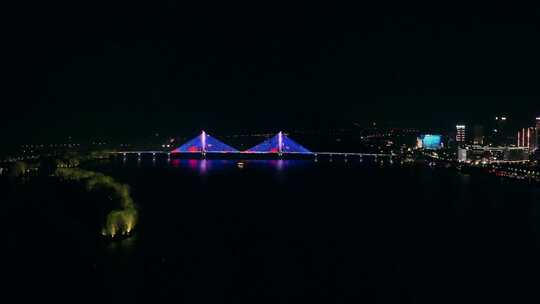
216 231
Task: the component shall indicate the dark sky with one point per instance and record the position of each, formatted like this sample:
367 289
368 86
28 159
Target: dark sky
128 68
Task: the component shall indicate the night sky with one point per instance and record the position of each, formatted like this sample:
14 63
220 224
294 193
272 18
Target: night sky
128 69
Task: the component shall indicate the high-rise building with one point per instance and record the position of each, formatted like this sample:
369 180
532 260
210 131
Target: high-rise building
526 138
461 134
537 137
462 154
501 120
478 135
499 135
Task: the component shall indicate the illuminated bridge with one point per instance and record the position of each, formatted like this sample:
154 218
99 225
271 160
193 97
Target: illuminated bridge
280 145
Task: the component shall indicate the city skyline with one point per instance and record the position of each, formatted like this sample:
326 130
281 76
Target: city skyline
446 127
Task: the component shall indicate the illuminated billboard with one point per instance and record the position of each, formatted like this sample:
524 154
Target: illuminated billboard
431 142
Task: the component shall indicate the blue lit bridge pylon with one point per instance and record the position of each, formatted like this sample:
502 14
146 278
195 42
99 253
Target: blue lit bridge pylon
279 144
203 144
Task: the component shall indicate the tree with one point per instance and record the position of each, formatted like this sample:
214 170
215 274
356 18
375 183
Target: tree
18 169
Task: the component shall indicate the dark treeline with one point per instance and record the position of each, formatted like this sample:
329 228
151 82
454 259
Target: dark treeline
92 198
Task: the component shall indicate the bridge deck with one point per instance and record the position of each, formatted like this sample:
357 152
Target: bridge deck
257 153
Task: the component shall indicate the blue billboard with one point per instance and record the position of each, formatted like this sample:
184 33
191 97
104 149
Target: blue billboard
431 142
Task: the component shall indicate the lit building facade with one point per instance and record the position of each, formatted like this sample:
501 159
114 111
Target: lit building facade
527 138
537 135
429 142
461 134
487 154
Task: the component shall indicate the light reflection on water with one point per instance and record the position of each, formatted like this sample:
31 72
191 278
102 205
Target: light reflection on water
201 166
204 166
125 245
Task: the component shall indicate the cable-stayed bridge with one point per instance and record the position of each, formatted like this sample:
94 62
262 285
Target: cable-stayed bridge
280 145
